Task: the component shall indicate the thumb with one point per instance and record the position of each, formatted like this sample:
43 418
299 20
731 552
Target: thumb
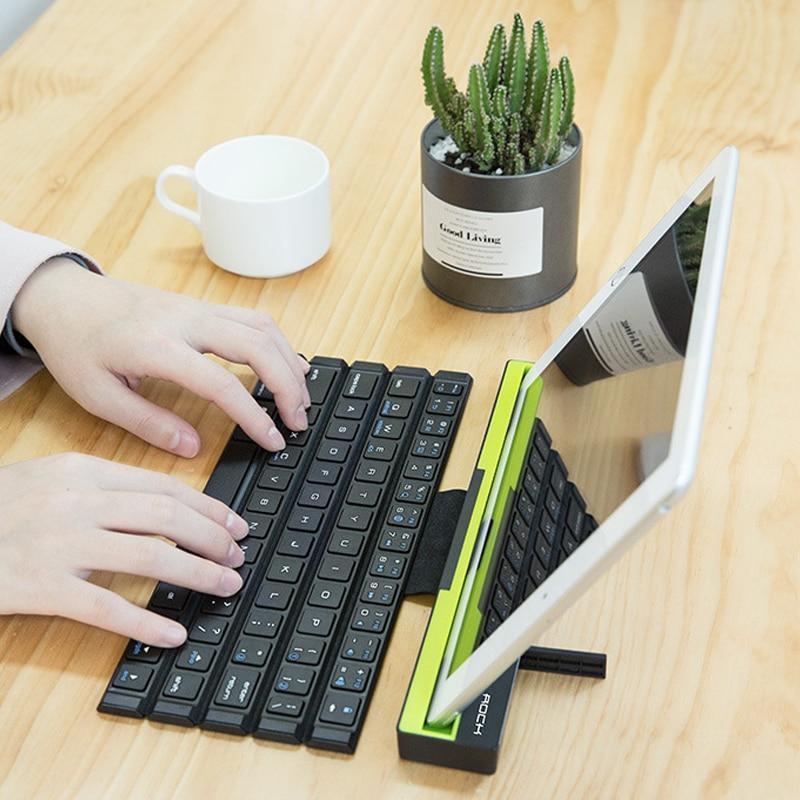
114 401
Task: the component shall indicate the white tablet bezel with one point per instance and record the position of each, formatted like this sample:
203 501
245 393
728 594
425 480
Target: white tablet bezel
654 497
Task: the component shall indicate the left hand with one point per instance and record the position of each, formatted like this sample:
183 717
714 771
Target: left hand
99 337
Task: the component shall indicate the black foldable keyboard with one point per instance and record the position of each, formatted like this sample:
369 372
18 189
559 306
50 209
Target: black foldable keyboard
334 522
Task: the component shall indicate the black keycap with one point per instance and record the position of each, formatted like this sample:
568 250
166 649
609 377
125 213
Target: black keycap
360 384
389 566
344 430
558 478
264 501
263 623
397 541
331 450
316 622
319 381
135 677
298 438
229 473
388 428
379 591
207 629
327 474
355 518
447 387
514 553
339 709
435 426
293 679
552 503
285 569
537 464
542 548
237 687
405 516
295 544
369 618
336 568
259 524
396 408
537 571
183 685
525 507
501 603
426 447
360 647
380 451
285 705
315 496
221 606
305 519
492 623
574 515
532 485
326 594
274 478
251 549
169 596
569 543
441 405
508 579
196 657
350 409
547 526
421 468
541 439
372 471
346 543
350 677
312 413
403 386
251 652
288 458
306 650
275 595
139 651
412 492
364 494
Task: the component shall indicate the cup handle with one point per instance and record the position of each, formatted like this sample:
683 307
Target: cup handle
179 171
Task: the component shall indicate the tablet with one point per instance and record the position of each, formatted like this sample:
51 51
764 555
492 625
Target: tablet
622 393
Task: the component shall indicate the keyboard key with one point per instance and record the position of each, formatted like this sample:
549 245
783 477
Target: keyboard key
441 405
135 677
364 494
346 543
195 657
295 680
169 596
393 540
285 569
305 519
361 384
350 677
343 430
325 594
338 709
388 566
360 647
288 458
263 623
207 629
272 478
139 651
381 592
412 492
251 652
396 408
221 606
336 568
405 516
259 525
369 618
372 472
350 409
294 437
237 687
403 386
183 686
388 429
435 426
251 549
319 381
355 518
295 544
285 706
427 447
525 507
447 387
501 603
380 451
275 595
542 548
327 474
264 501
316 622
306 650
420 468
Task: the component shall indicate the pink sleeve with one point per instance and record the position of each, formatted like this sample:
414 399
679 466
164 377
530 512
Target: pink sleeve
21 253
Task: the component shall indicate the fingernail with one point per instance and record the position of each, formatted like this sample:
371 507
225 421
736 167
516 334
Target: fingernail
174 635
184 444
235 555
236 526
300 418
230 582
275 439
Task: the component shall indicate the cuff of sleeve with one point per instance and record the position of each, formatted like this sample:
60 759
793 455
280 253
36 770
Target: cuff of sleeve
15 341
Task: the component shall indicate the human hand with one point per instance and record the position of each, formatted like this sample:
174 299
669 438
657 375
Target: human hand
67 515
99 337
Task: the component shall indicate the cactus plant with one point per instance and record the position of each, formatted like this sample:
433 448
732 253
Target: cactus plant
517 112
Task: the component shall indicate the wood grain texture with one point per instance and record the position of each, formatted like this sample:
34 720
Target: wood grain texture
700 620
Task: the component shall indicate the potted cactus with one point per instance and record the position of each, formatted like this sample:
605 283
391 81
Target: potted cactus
500 174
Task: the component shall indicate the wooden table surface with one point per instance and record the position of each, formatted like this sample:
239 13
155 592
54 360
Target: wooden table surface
700 621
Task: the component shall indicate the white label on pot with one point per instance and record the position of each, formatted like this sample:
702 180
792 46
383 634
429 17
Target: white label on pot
625 333
491 244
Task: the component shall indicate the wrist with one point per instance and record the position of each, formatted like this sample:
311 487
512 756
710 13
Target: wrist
47 285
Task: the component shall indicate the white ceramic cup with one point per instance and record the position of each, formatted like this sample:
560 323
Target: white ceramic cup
263 204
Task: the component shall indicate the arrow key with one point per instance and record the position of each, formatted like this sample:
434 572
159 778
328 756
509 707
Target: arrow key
339 709
139 651
133 676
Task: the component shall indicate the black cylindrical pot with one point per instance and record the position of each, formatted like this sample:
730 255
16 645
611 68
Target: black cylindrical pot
499 242
666 305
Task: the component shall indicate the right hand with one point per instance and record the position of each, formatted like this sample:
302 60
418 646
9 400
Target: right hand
66 515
